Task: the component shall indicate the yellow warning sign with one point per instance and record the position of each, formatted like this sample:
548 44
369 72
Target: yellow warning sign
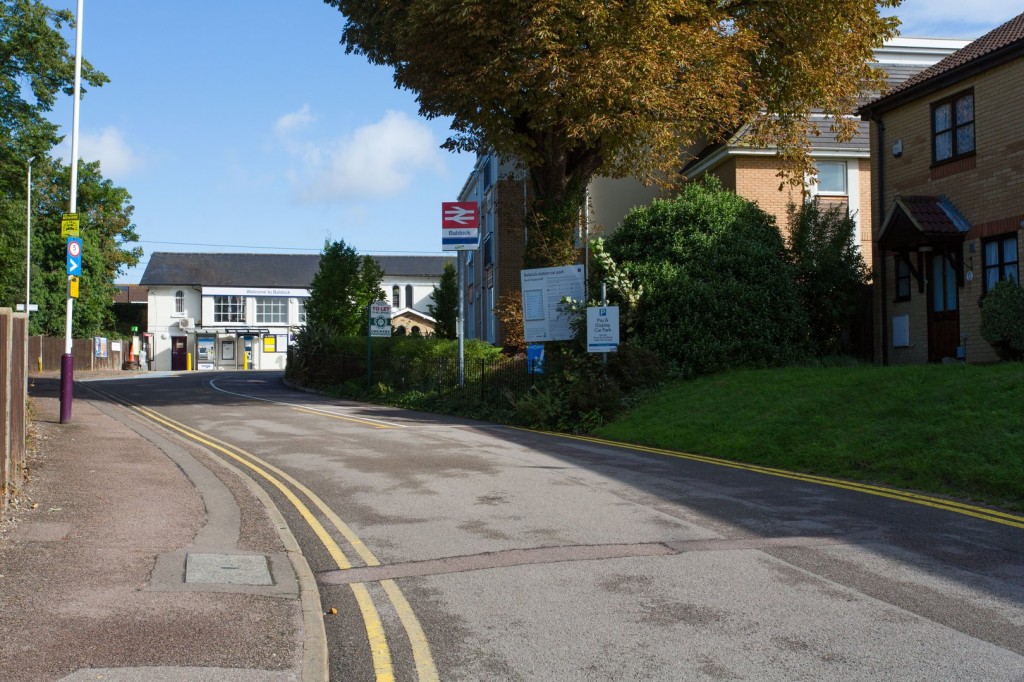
69 225
72 287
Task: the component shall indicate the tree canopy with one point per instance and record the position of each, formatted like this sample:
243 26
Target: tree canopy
445 307
576 88
342 291
36 68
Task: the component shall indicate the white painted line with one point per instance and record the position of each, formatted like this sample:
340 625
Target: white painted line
332 413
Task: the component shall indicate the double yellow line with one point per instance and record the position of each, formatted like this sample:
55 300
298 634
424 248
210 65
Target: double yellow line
379 649
991 515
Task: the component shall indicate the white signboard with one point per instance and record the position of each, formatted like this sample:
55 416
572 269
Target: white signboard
380 318
543 290
603 329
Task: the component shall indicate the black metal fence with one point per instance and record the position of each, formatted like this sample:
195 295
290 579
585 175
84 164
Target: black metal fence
488 380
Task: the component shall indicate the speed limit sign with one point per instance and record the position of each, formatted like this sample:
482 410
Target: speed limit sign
74 256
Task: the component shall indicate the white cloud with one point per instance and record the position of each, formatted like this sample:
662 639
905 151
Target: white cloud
377 160
952 18
294 121
109 147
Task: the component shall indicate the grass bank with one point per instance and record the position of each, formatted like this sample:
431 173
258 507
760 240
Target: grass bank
956 430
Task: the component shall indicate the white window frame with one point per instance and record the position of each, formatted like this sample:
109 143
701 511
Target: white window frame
271 310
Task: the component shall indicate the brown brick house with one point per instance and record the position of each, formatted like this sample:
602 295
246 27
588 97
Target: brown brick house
844 169
947 150
502 192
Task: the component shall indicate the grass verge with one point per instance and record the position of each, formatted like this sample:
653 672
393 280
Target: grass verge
955 430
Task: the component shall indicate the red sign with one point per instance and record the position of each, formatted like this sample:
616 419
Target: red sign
456 214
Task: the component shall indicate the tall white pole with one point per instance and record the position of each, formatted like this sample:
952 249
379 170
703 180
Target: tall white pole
74 153
67 363
28 243
460 320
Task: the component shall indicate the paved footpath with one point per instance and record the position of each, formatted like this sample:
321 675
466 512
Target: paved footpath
134 557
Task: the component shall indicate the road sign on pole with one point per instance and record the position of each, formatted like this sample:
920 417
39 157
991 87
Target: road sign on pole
74 256
69 225
460 226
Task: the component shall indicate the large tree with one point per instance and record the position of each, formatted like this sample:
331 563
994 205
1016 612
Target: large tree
342 291
107 229
36 66
576 88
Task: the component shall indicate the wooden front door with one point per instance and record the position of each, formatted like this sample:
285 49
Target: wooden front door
179 353
943 309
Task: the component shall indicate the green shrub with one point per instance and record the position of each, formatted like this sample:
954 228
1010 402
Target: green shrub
1002 319
829 272
717 290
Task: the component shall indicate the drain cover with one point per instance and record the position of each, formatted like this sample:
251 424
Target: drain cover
227 569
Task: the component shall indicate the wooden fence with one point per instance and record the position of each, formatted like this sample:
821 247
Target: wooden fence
50 350
13 403
40 353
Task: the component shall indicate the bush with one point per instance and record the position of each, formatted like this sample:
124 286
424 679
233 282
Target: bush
1002 319
580 393
717 290
829 272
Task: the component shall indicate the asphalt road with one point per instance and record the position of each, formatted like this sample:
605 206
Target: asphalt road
461 550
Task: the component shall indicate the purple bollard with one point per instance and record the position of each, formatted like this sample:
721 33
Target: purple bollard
67 373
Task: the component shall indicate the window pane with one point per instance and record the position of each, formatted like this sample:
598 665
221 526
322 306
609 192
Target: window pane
943 146
991 277
965 109
950 286
271 310
965 139
942 118
832 177
991 253
1010 250
1012 273
938 288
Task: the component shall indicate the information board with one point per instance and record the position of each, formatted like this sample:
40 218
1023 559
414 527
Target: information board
543 291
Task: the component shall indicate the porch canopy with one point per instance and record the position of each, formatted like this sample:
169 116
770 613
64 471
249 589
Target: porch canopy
916 221
924 224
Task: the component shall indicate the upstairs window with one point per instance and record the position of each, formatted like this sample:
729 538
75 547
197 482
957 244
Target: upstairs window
1001 260
271 310
953 127
396 297
179 302
408 296
832 178
229 308
302 311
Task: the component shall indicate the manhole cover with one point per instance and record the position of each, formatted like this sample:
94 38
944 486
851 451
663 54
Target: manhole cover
227 569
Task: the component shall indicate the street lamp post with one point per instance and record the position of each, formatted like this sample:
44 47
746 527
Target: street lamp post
67 361
28 242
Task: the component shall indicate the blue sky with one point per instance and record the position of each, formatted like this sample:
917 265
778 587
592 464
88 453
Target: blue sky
244 126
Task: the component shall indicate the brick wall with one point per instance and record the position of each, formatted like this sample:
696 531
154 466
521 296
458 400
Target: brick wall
757 179
988 189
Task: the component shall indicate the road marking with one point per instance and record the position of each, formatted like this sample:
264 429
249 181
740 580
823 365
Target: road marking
991 515
332 415
380 652
380 423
